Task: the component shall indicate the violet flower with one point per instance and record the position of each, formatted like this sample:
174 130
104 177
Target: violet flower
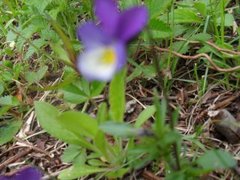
105 44
28 173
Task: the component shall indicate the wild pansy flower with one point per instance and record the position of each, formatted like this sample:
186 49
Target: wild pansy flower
28 173
105 44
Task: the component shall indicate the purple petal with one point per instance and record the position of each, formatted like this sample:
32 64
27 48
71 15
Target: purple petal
24 174
121 55
91 35
131 22
107 13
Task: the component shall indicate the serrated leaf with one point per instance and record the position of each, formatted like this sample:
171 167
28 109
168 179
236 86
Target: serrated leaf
186 16
34 47
155 9
9 101
11 36
59 51
201 7
40 5
33 77
159 29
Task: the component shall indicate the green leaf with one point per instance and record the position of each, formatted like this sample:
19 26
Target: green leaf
8 130
216 159
154 9
34 47
79 171
101 143
201 7
179 175
40 5
229 20
186 16
47 115
159 29
11 36
60 52
70 153
144 116
129 3
200 37
117 96
96 88
9 101
4 109
102 114
66 40
73 94
120 129
117 173
33 77
96 163
149 71
180 47
79 123
75 155
161 112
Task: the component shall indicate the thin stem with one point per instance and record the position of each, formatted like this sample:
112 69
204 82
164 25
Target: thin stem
165 95
175 146
222 20
155 61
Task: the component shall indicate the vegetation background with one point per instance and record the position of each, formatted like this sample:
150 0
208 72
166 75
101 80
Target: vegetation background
174 109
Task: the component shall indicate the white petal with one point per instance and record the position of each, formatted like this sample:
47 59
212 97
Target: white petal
92 66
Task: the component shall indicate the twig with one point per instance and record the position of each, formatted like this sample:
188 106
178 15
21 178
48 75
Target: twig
15 158
201 55
33 147
222 104
150 176
213 45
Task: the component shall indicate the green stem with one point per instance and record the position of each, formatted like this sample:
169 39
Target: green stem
165 95
222 20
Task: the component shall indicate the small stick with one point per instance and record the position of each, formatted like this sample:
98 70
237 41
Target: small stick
33 147
150 176
213 45
201 55
15 158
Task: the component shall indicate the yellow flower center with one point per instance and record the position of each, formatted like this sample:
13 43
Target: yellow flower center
109 56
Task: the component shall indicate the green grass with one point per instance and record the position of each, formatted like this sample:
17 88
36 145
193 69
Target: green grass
38 47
